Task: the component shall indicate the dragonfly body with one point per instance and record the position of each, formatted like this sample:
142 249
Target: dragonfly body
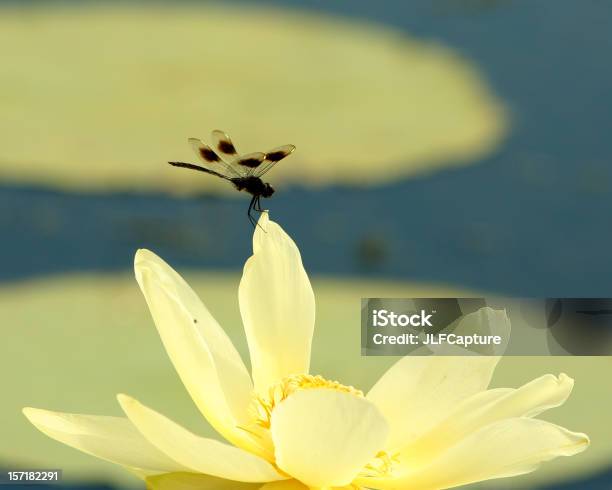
253 185
243 171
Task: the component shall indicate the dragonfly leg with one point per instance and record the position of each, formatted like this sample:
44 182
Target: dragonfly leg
249 214
257 206
254 205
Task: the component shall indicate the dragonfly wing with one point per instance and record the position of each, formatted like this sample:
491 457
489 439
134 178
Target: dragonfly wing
272 158
249 162
223 144
212 161
223 159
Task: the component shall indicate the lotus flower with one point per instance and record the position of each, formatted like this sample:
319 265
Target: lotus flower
428 423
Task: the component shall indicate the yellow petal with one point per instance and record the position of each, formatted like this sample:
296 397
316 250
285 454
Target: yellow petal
284 485
203 355
277 306
324 437
114 439
485 321
507 448
194 452
195 481
485 408
418 392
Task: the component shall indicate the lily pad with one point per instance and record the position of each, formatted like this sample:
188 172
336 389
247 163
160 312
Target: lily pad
99 98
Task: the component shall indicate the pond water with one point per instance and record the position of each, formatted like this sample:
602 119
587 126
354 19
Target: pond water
532 219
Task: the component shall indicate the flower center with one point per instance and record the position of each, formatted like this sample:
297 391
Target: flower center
381 466
263 405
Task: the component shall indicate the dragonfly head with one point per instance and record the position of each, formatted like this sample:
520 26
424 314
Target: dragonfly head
268 190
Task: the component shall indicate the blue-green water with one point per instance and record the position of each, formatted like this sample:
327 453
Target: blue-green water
533 219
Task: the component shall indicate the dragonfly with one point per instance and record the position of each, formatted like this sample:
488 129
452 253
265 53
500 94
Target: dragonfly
243 171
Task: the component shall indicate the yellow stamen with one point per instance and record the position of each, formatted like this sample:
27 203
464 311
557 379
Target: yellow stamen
381 466
263 405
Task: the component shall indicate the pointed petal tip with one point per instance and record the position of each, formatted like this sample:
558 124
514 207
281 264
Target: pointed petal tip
577 443
30 413
262 231
143 254
585 440
269 233
128 404
563 385
499 313
147 262
565 382
125 400
38 416
264 218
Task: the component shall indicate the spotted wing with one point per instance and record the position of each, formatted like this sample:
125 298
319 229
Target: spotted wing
223 145
249 163
212 161
242 165
272 158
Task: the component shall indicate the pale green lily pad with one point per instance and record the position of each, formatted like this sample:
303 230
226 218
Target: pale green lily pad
99 98
72 343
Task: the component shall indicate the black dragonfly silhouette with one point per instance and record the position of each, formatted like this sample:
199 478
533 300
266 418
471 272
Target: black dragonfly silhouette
243 171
